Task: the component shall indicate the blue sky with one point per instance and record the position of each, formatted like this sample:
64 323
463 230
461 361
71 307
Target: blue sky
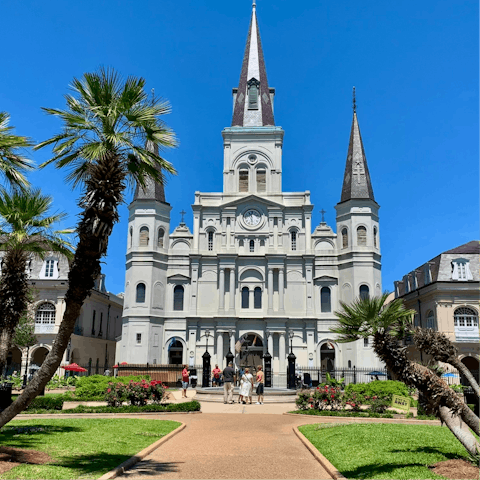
414 65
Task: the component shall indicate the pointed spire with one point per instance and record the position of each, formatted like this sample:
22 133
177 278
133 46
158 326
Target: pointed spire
253 104
153 190
356 182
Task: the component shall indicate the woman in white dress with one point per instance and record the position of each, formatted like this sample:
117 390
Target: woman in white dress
247 386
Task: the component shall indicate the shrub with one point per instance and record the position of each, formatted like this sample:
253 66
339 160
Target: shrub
61 382
48 402
344 413
379 405
378 388
94 387
136 392
16 380
322 398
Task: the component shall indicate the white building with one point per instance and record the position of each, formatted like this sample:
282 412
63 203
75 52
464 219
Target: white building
252 265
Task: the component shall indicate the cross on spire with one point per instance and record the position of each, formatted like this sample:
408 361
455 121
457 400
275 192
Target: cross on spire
254 4
323 212
182 213
354 102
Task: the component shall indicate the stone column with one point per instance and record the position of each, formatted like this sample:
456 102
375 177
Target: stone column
251 298
232 232
275 234
270 232
232 290
232 343
280 231
282 357
220 349
270 291
308 233
281 292
224 231
221 303
194 288
196 231
270 344
309 275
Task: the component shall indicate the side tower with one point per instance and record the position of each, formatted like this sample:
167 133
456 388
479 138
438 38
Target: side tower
357 225
146 276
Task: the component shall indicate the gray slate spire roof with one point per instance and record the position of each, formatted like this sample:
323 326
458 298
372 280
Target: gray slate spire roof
356 182
152 190
253 71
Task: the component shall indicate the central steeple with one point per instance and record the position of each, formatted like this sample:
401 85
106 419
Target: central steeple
253 100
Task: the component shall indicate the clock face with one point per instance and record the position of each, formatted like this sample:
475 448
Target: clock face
252 218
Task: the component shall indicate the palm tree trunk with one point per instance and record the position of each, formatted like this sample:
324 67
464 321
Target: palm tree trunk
6 336
100 202
460 430
462 368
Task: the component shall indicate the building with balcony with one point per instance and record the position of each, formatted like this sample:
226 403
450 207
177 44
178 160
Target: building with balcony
93 341
444 293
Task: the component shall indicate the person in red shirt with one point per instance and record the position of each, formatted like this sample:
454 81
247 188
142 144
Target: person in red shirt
216 375
185 381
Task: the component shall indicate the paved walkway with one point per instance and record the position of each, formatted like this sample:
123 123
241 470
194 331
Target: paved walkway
223 445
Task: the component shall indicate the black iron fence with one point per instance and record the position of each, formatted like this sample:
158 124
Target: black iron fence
314 376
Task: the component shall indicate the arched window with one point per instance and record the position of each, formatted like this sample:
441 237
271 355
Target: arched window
325 300
161 236
465 317
131 237
293 240
257 298
252 245
361 236
210 241
45 314
243 181
261 180
253 88
140 298
375 232
431 320
245 297
364 291
178 297
344 238
144 237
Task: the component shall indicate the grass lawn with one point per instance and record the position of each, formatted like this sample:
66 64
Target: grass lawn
388 451
81 448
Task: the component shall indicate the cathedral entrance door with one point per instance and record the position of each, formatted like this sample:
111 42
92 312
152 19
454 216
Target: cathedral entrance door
327 358
252 353
175 354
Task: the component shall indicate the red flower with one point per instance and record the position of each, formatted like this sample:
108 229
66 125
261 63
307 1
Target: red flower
109 390
333 396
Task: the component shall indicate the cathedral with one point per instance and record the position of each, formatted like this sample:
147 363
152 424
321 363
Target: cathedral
252 271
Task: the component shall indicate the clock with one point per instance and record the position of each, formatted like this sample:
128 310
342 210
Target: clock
252 218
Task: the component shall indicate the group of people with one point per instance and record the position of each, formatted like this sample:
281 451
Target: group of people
247 384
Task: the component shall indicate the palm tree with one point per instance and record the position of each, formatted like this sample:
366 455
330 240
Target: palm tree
387 323
13 165
112 133
26 229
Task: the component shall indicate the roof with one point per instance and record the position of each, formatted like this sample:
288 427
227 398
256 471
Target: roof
466 248
253 72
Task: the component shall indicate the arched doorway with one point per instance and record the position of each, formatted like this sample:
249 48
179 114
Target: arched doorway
14 361
327 357
251 354
175 353
39 356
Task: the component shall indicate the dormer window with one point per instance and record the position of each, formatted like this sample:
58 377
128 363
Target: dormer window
461 269
427 274
253 93
50 269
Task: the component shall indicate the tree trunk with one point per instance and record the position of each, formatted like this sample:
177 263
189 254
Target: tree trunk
6 336
460 430
462 368
103 195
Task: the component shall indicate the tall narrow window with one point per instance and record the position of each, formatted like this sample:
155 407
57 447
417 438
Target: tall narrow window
139 338
261 181
365 342
253 87
375 233
161 236
178 298
431 320
325 300
49 266
344 238
93 322
252 245
144 237
461 269
131 237
100 332
364 291
361 236
245 297
293 238
140 293
257 298
210 241
243 181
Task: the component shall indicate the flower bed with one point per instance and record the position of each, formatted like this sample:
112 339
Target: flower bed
137 393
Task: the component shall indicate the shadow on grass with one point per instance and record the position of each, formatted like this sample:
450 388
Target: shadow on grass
369 471
27 436
101 463
430 450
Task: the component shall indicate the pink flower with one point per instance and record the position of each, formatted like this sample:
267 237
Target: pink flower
109 390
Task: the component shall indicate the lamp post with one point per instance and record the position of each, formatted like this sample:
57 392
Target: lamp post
229 356
25 375
291 364
206 364
267 363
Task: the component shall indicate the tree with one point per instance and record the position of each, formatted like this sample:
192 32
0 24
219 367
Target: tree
112 133
24 334
439 346
13 164
387 323
26 228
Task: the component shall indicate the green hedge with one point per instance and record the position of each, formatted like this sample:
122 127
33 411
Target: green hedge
50 402
94 387
378 388
342 413
192 406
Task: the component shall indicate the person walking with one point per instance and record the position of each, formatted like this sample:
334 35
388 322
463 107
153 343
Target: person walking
185 381
216 375
229 382
260 382
246 387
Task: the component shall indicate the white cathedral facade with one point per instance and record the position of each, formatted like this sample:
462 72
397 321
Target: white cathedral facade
252 267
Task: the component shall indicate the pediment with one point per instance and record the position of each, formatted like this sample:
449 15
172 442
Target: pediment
178 277
326 278
252 199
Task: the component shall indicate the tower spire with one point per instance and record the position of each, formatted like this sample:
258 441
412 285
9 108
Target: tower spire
253 102
356 181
